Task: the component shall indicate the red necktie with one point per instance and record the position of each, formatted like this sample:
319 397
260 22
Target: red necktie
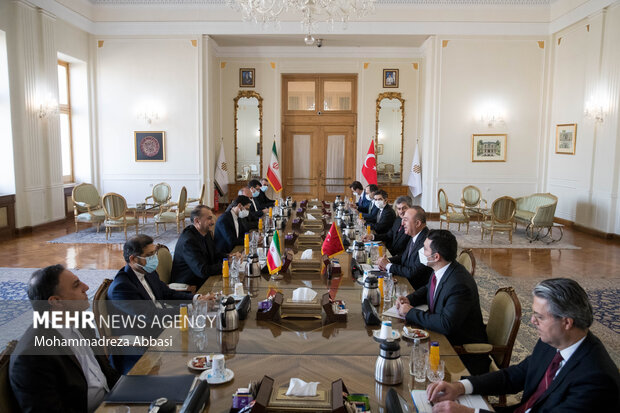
401 228
544 383
431 298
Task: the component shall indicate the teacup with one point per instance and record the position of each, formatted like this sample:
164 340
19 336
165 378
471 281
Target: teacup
239 289
218 365
386 329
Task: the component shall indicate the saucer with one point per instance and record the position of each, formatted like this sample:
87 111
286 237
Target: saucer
238 297
395 335
191 365
208 375
413 333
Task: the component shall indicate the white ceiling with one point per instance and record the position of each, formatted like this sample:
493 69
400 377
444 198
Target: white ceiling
329 40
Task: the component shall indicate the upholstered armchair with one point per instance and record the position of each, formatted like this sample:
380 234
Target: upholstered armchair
472 200
536 212
174 214
164 267
502 329
115 208
501 217
448 212
100 309
162 193
87 205
466 259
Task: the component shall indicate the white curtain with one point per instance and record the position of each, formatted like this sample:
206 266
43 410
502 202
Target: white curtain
301 163
335 164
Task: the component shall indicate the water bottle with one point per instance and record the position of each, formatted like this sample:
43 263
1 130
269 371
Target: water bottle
388 287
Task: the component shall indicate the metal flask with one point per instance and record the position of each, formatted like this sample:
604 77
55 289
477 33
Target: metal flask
227 315
349 232
267 239
359 252
371 290
389 366
252 266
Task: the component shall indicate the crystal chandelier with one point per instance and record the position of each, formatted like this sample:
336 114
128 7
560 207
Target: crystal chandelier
313 11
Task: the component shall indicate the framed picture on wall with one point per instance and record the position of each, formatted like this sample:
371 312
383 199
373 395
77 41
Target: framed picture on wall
565 138
379 150
390 77
488 148
150 146
246 77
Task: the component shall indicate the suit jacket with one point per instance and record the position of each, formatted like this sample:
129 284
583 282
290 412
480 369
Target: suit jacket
362 204
256 212
588 381
52 383
264 201
225 237
195 258
408 265
396 239
384 222
371 216
456 313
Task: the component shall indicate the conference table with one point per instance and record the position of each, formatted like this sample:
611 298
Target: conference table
308 349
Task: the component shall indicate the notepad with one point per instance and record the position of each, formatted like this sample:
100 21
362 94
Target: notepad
422 405
393 312
145 389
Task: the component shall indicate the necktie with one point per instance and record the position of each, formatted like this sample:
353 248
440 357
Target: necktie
431 298
379 215
544 383
409 251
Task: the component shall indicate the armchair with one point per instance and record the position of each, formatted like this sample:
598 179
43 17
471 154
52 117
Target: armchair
160 196
165 263
199 201
100 308
448 212
170 216
537 212
471 200
466 259
87 205
502 329
115 208
501 217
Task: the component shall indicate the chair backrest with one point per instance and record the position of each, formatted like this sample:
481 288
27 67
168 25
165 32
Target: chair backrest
100 307
114 206
162 193
471 196
7 398
182 202
503 209
467 259
389 167
381 167
442 200
86 193
253 167
201 200
164 268
504 322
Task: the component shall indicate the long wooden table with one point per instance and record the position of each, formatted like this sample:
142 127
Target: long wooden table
301 348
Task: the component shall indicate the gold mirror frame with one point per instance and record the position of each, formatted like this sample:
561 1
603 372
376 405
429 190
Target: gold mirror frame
392 95
250 94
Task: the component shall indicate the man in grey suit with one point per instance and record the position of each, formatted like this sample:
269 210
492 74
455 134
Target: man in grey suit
408 264
452 298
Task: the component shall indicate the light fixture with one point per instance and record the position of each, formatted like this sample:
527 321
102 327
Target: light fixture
491 115
48 109
148 114
312 11
594 111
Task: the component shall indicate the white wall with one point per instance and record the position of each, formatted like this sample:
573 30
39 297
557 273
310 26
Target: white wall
476 74
163 74
586 66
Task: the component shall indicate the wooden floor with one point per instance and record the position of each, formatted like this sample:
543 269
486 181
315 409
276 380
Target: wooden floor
597 257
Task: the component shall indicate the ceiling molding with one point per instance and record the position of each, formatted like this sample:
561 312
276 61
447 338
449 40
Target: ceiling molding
448 3
324 52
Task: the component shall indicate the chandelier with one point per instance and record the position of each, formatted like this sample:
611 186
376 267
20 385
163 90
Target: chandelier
313 11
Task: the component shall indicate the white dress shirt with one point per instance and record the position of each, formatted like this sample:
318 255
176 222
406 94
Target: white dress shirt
413 239
148 289
95 379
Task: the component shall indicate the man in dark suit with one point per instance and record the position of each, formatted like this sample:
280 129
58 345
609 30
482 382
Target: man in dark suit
262 198
568 371
396 239
361 202
58 379
370 214
452 299
229 228
408 264
137 290
257 208
195 256
385 214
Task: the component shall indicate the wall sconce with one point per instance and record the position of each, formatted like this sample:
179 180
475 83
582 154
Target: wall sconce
48 109
594 111
148 115
491 117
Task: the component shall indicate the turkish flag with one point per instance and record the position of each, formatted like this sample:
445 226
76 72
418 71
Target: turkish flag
369 168
333 242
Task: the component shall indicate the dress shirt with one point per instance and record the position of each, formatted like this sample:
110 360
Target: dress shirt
235 221
379 214
407 251
148 289
566 354
254 203
439 274
95 379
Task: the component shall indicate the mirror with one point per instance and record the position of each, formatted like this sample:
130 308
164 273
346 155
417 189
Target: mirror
390 126
248 136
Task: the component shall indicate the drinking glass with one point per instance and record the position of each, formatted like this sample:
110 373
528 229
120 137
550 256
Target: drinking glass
419 370
435 374
234 267
200 339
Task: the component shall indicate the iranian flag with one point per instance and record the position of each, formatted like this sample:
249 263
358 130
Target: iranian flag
274 256
273 173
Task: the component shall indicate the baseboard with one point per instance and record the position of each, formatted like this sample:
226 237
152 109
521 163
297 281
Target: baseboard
587 230
30 229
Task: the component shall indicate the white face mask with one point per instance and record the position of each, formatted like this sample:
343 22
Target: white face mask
244 213
380 204
357 197
368 197
423 258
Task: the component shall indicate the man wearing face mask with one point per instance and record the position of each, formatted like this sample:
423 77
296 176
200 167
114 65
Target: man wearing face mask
137 290
262 198
385 216
409 264
396 239
230 228
452 299
257 209
370 215
361 203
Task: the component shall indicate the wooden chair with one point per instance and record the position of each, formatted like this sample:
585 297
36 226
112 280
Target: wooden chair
199 201
501 217
471 200
115 208
161 195
173 214
502 329
467 259
164 268
87 205
8 403
448 212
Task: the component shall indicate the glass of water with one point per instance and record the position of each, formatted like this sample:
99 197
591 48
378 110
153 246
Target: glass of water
435 374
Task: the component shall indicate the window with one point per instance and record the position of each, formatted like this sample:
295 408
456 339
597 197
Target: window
64 105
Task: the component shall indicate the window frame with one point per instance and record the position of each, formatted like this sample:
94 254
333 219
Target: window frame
65 109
